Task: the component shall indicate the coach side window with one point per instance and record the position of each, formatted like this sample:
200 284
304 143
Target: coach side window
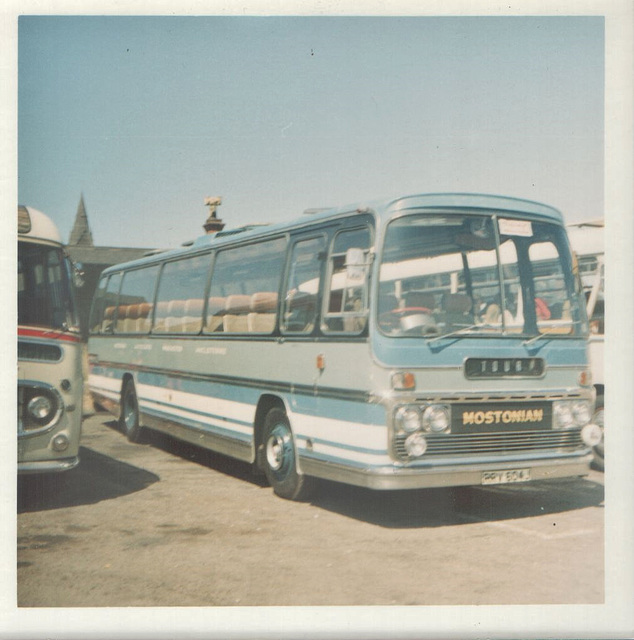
180 296
346 307
109 306
243 297
98 307
134 311
299 312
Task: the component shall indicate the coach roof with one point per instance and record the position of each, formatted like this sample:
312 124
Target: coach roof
383 209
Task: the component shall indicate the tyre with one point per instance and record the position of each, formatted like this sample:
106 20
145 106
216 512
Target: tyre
279 458
129 420
597 418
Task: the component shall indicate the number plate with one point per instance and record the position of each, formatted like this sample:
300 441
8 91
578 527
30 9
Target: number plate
506 477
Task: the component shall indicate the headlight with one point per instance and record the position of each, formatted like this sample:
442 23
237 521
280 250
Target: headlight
41 408
592 435
415 445
569 414
436 418
38 407
408 419
563 415
582 413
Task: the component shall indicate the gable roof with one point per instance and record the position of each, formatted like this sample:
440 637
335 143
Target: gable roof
105 255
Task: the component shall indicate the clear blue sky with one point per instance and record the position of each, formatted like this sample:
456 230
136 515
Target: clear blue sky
146 116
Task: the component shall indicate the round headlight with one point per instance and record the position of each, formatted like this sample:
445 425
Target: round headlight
415 445
582 413
436 418
40 407
563 415
592 435
408 419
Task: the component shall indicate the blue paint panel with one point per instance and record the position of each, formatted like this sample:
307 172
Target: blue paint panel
204 388
417 352
346 447
333 408
337 460
308 404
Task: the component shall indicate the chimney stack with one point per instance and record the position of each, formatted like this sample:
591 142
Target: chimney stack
213 224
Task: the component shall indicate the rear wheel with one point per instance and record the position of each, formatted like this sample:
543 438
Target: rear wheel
129 420
279 458
598 420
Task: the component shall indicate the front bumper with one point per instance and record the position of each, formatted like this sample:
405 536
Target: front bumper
390 477
47 466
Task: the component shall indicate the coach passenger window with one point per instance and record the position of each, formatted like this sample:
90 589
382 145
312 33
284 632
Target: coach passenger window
346 308
134 313
302 289
244 288
180 297
98 306
110 303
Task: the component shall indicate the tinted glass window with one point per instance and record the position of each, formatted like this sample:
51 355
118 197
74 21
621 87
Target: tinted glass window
346 307
302 289
98 306
454 274
244 288
551 295
44 286
110 303
134 313
180 296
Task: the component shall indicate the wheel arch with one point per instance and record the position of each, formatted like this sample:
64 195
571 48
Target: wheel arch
127 377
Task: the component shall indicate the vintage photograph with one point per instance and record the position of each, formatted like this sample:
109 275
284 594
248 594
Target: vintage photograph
311 315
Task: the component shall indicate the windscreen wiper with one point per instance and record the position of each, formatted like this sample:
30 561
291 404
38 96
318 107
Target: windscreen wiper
547 332
462 330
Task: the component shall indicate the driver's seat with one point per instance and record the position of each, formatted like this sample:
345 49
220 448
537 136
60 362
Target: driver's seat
420 299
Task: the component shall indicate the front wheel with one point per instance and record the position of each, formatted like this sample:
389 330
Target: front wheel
129 420
597 418
279 458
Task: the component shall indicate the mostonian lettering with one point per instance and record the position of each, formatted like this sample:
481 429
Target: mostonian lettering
500 416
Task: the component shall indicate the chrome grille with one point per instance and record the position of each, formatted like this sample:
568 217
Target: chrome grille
501 443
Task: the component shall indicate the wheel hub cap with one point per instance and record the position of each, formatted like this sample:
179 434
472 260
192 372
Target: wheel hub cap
276 449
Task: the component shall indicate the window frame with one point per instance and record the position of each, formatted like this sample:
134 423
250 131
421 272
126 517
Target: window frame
218 252
151 300
351 225
210 254
294 241
111 277
93 318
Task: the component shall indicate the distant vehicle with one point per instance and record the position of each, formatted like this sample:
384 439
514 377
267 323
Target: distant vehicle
50 381
394 345
587 240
